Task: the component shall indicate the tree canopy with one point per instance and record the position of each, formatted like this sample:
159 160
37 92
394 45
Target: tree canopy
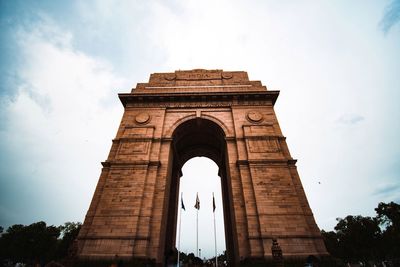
388 216
37 242
359 238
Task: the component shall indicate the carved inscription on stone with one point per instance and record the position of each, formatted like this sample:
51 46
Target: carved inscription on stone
133 147
258 130
198 104
138 132
198 75
264 146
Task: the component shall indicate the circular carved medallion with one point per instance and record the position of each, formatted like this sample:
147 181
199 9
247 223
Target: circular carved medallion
170 76
142 118
226 75
254 116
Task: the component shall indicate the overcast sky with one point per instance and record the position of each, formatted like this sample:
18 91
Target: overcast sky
62 63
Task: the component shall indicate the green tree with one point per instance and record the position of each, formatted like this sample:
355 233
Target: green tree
358 238
69 232
364 238
33 243
332 243
388 216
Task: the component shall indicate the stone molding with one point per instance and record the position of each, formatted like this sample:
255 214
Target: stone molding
182 100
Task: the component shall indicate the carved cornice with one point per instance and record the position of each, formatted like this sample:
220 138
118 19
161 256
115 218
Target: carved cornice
129 164
203 99
259 137
273 214
270 162
119 237
314 236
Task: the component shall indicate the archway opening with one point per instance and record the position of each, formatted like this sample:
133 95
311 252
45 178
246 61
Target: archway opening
199 138
200 175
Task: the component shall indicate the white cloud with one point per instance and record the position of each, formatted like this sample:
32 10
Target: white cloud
59 123
350 119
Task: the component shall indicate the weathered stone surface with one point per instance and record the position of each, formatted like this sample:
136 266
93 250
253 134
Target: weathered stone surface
172 118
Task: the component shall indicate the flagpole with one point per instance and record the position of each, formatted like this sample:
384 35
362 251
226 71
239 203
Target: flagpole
180 223
215 235
197 206
197 233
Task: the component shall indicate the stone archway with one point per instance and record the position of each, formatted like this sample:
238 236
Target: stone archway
176 116
195 138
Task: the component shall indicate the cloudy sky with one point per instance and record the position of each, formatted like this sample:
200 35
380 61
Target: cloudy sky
62 63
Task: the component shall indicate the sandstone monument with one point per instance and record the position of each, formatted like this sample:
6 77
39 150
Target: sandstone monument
176 116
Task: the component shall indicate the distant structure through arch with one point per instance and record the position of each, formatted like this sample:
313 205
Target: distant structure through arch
172 118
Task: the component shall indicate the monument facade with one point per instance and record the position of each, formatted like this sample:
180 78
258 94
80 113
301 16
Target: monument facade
177 116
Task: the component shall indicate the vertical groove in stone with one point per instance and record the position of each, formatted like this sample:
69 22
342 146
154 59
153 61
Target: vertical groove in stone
254 232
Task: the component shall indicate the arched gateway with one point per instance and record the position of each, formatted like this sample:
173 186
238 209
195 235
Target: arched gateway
177 116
